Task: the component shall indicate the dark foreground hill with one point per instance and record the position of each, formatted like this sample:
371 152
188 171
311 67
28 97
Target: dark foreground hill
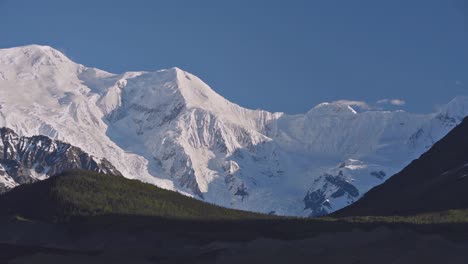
81 193
437 181
85 217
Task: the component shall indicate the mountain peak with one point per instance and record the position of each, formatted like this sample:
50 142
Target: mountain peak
335 108
34 52
30 47
457 107
193 90
32 61
37 47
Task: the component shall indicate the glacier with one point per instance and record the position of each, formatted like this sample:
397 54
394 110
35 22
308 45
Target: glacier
170 129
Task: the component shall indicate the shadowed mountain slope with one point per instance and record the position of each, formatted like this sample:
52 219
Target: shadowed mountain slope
437 181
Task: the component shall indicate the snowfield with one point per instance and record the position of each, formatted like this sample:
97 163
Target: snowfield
171 129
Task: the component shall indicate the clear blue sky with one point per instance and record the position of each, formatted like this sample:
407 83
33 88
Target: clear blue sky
275 55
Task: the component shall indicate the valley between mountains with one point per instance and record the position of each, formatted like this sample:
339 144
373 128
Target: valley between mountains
170 129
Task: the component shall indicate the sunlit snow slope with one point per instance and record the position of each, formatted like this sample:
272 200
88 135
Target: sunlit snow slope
171 129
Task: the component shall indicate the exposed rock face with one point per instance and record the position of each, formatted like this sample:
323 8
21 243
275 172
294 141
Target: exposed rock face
28 159
317 200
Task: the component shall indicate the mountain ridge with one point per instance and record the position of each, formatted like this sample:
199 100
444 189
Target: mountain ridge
171 129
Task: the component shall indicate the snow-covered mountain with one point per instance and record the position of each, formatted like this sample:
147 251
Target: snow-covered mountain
28 159
171 129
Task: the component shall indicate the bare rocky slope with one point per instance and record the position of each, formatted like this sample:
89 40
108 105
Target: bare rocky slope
29 159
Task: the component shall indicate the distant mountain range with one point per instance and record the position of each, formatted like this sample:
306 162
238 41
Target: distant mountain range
170 129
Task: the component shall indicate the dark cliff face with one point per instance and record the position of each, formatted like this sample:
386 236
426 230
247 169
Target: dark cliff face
27 159
437 181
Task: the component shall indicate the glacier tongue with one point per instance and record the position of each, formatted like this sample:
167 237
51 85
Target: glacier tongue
171 129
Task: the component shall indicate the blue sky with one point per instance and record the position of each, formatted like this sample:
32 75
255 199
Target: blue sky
274 55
